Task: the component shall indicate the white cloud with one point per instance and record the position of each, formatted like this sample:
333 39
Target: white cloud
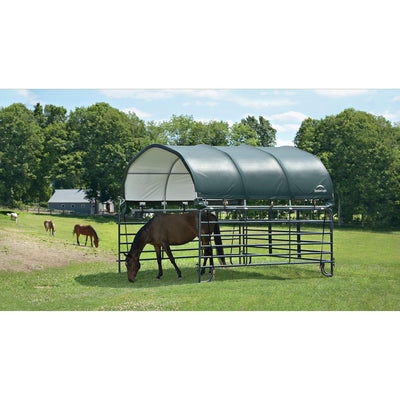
254 103
207 93
227 95
341 92
288 116
286 127
280 142
391 116
279 93
29 96
140 114
397 98
139 94
213 94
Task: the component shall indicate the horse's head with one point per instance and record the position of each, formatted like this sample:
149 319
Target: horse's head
132 265
96 241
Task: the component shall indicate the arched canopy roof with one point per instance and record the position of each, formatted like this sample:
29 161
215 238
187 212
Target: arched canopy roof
183 173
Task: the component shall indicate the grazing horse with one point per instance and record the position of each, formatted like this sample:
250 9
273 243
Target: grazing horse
13 216
50 227
86 230
164 230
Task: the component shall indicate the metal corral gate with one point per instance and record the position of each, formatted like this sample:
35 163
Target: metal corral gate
251 236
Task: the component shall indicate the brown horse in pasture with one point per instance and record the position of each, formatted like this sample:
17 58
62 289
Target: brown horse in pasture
86 230
50 227
164 230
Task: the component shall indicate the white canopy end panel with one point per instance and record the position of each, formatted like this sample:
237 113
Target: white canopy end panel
158 175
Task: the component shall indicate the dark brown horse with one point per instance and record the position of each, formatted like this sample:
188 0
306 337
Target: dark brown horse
165 230
86 230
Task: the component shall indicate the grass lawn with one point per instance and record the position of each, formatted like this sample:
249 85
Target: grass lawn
367 277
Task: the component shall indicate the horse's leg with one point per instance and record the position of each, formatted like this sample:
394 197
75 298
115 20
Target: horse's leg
86 240
77 238
172 259
208 253
158 253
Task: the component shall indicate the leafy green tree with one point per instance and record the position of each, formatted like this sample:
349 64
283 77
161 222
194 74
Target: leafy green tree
39 115
361 152
183 130
243 134
21 144
55 114
265 133
155 133
61 162
217 133
106 140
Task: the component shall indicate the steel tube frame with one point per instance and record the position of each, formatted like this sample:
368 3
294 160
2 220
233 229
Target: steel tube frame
303 255
255 240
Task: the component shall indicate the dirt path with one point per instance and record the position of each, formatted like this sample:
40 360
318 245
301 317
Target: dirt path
21 252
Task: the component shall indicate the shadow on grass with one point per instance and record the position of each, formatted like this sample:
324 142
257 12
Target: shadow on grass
146 279
96 218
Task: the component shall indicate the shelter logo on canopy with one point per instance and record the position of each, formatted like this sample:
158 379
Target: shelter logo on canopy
320 189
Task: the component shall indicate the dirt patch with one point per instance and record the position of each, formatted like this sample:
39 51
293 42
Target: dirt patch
20 252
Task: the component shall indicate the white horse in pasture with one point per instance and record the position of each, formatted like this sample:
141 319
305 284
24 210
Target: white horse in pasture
50 227
13 216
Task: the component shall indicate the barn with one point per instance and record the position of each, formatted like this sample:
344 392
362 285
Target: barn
75 201
293 187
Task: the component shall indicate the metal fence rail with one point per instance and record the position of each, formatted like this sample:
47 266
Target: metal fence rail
265 236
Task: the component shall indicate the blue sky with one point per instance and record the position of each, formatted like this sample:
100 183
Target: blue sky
285 109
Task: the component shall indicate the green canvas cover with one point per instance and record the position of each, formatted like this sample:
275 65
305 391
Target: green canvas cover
183 173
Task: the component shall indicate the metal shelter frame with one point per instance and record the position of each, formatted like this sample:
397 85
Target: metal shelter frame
221 180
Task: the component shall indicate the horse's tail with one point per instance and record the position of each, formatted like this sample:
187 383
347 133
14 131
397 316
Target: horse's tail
218 243
74 231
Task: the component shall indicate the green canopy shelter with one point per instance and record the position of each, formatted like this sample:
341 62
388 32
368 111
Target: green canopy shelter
184 173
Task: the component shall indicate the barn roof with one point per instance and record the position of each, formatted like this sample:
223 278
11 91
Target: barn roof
69 196
183 173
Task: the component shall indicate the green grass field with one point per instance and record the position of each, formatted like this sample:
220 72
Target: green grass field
367 277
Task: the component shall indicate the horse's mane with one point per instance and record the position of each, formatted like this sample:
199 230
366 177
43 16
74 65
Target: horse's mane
138 236
95 233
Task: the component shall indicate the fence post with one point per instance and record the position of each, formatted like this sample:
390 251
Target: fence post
270 231
298 234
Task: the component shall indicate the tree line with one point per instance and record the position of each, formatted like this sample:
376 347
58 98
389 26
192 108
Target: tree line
362 154
48 148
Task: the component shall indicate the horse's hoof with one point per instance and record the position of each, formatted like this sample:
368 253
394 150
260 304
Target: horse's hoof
180 278
158 278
